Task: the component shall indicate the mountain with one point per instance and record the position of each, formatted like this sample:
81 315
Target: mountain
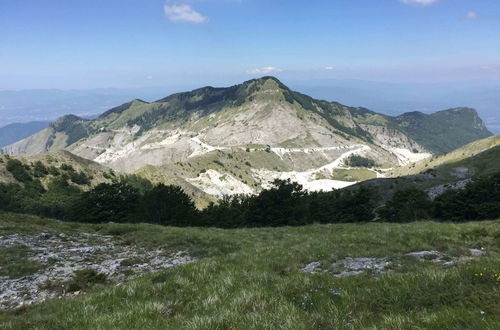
462 125
395 98
237 139
17 131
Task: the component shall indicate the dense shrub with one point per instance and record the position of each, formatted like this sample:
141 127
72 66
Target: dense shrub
479 200
360 161
283 204
167 205
39 170
18 170
134 199
79 178
115 202
407 205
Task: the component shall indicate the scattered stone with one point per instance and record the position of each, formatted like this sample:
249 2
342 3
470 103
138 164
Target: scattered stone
62 254
356 266
460 172
448 264
378 266
476 252
437 191
434 256
313 268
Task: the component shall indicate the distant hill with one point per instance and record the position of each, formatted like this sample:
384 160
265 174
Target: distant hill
443 131
450 170
18 131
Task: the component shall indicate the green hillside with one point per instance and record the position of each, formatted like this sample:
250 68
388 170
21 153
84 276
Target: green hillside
445 130
479 158
252 278
45 168
439 132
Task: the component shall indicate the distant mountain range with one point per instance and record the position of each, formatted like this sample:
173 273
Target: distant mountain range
18 131
396 98
219 141
385 97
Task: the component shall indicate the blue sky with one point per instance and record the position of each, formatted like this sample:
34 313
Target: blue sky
137 43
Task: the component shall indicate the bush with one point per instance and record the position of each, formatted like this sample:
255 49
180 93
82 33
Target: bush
360 161
67 167
479 200
18 170
84 279
79 178
283 204
115 202
407 205
39 170
168 205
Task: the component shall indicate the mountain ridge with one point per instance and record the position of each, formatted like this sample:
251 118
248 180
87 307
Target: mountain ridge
259 119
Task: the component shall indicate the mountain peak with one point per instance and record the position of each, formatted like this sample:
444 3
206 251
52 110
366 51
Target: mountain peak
266 82
66 120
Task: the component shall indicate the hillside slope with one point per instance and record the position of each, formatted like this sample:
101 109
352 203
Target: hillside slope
279 132
452 170
261 277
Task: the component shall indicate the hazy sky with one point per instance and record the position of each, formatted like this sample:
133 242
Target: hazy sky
134 43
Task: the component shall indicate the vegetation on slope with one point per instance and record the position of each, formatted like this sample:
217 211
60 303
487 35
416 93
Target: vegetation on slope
251 278
134 199
439 132
445 130
478 156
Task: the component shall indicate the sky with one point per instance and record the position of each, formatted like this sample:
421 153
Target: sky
82 44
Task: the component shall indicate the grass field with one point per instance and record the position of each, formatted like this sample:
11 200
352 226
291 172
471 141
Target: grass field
251 279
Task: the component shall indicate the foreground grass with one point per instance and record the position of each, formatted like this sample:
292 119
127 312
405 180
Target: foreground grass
250 279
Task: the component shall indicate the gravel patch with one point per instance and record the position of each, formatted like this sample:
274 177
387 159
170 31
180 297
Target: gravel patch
379 266
60 255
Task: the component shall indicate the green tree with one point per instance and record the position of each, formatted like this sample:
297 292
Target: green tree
282 204
39 170
407 205
116 202
168 205
18 170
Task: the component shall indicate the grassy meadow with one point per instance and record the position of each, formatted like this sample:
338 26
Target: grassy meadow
251 279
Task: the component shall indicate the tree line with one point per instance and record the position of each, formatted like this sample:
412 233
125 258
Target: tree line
285 203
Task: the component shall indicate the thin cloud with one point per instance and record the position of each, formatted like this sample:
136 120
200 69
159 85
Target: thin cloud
265 70
472 15
183 13
419 2
329 68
